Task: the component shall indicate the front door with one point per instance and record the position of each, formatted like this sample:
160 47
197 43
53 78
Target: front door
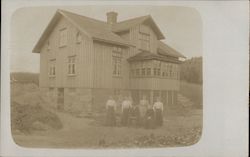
60 99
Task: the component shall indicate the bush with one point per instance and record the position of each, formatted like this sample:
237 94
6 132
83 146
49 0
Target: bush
23 117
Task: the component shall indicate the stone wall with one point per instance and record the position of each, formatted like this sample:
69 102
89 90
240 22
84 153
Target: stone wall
77 100
49 95
83 100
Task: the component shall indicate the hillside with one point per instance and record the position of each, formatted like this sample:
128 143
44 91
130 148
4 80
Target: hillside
24 77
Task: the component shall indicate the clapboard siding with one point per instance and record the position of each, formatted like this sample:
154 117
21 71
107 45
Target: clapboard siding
134 37
82 51
154 84
103 77
94 61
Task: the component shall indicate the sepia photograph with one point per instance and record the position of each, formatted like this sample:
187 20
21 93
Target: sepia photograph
102 77
124 78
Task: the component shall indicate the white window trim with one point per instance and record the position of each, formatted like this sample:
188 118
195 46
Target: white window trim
69 63
78 37
52 65
142 38
117 50
64 37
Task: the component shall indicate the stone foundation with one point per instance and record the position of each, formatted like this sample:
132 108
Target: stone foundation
77 100
83 100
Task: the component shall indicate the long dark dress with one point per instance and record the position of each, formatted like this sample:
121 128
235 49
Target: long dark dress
111 120
134 115
149 119
158 117
125 116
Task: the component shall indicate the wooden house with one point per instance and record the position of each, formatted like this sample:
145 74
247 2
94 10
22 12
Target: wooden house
84 60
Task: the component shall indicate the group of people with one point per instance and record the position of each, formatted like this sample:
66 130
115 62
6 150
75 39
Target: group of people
143 114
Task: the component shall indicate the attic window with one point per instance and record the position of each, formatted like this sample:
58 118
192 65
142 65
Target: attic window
78 38
63 37
144 39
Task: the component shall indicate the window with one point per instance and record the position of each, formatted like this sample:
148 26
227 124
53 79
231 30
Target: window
137 72
132 72
72 65
144 41
143 72
78 38
159 72
52 68
170 71
155 71
117 61
148 71
63 37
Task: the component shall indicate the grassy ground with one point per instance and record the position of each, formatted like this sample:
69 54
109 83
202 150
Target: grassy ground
85 133
179 129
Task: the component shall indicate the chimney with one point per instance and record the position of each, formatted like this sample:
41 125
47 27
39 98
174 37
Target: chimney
111 17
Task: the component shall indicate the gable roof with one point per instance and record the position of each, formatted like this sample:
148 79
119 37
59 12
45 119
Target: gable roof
145 55
98 30
127 24
102 31
164 49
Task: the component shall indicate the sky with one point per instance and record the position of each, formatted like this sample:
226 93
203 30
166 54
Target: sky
181 26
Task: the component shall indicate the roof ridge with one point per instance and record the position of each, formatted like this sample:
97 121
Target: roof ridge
133 19
65 11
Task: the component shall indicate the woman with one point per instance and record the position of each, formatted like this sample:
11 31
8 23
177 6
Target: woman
111 108
158 109
143 107
149 117
126 106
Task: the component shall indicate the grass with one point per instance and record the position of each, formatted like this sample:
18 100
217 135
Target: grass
84 133
79 132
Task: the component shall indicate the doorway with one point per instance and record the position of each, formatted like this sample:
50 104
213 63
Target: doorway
60 99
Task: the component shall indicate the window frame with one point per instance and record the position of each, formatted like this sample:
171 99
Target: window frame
71 66
63 34
117 62
52 68
144 39
48 45
78 37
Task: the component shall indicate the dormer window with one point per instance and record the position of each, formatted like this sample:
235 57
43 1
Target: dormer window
78 38
144 40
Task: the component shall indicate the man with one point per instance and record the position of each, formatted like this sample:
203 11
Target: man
158 109
111 108
126 106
